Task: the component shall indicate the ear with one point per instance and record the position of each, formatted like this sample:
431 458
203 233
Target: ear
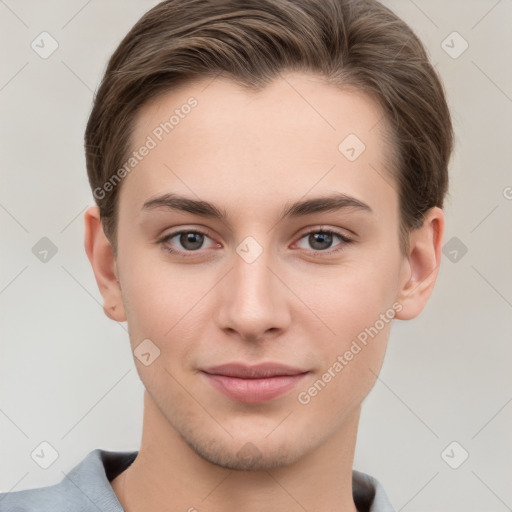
421 266
100 254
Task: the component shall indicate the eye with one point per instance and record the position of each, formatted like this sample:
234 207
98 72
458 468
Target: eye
191 240
321 240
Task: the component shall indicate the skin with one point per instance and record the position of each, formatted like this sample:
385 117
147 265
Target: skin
250 154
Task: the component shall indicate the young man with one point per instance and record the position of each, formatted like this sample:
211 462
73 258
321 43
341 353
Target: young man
269 178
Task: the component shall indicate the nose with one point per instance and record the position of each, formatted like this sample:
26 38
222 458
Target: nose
254 301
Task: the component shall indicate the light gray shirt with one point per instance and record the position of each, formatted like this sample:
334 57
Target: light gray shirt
86 488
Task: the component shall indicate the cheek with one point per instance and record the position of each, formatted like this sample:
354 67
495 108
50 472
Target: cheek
352 297
157 294
356 310
351 359
163 304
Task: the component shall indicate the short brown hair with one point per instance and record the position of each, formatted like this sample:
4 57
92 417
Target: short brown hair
355 43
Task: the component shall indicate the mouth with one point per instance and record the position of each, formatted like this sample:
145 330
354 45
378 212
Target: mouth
253 384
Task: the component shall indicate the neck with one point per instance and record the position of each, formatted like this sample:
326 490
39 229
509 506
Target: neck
169 474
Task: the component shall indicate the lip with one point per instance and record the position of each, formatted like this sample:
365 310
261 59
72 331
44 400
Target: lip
253 384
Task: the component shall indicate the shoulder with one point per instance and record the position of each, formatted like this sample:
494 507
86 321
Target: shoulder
85 488
369 495
58 497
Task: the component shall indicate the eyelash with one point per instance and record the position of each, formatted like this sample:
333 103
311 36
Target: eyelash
346 241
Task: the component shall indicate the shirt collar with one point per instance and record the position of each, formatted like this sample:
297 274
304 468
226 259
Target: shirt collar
93 475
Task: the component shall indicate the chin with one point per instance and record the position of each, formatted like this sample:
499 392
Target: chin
249 457
248 452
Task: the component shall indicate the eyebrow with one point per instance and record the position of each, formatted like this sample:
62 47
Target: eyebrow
330 203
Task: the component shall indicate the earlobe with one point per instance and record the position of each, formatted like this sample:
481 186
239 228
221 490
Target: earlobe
420 268
100 254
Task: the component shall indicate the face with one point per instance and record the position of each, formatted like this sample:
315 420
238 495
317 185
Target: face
314 289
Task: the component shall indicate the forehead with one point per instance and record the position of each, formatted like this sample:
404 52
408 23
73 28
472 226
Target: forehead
211 137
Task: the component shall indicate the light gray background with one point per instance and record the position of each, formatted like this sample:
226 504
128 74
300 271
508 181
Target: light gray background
67 374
